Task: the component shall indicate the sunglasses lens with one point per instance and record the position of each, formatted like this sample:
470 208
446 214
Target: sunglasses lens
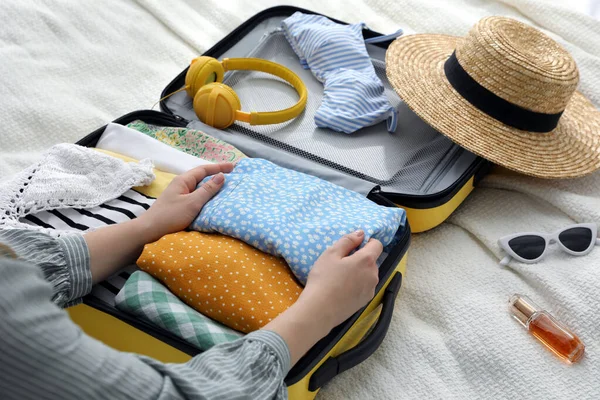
528 247
576 239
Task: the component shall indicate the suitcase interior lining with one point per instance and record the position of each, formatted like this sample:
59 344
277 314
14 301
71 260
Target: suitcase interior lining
415 159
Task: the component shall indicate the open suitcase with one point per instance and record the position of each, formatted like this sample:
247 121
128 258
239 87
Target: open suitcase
416 168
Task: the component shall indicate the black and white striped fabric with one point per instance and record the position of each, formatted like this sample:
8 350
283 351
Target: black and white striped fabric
124 208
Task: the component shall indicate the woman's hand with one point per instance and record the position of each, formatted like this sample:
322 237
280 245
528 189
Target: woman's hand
338 285
181 202
113 247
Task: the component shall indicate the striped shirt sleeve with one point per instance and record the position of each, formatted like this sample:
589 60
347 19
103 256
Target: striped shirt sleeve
64 261
43 354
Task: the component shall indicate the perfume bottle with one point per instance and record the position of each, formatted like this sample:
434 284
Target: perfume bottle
554 335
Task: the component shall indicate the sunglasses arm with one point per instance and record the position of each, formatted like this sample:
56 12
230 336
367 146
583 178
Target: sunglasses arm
597 241
505 260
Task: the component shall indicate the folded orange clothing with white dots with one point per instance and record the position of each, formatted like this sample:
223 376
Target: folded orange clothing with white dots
222 277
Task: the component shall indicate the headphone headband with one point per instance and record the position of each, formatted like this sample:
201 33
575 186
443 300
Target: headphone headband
272 68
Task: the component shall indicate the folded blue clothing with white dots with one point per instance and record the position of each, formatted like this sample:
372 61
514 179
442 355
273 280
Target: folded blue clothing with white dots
291 214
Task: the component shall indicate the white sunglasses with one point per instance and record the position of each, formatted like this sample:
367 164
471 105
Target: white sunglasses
530 247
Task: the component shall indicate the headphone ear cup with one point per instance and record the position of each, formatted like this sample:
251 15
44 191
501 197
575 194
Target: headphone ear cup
216 104
203 70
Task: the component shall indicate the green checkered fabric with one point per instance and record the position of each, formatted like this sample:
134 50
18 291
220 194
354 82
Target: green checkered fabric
146 298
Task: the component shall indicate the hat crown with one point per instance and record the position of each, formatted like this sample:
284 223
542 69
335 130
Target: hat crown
519 64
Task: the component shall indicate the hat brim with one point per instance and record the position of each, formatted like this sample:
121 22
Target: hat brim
415 69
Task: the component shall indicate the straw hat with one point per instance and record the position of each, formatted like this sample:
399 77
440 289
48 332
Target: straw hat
506 92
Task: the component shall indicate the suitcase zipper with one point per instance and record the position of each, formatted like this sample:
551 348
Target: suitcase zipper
179 118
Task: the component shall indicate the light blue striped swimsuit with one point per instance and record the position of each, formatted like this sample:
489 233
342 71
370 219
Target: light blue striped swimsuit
354 96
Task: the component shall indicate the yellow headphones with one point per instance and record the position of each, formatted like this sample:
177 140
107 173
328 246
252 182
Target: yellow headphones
217 104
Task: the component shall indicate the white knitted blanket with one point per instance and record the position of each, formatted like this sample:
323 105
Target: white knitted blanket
69 68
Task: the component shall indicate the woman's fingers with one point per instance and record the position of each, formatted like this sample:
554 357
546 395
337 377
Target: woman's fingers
369 253
347 243
366 260
194 176
207 190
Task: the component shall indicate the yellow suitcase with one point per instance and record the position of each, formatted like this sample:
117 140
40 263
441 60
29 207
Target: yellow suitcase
416 168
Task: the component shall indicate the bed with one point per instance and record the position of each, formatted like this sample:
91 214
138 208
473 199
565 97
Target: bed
70 67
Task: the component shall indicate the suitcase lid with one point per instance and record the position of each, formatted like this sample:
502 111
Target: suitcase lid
416 166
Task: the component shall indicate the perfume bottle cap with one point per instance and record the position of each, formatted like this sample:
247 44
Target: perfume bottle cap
522 308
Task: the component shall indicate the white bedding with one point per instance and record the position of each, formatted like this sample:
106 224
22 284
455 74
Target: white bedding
69 67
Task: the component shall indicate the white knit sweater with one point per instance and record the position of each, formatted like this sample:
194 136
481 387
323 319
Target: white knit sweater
68 176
